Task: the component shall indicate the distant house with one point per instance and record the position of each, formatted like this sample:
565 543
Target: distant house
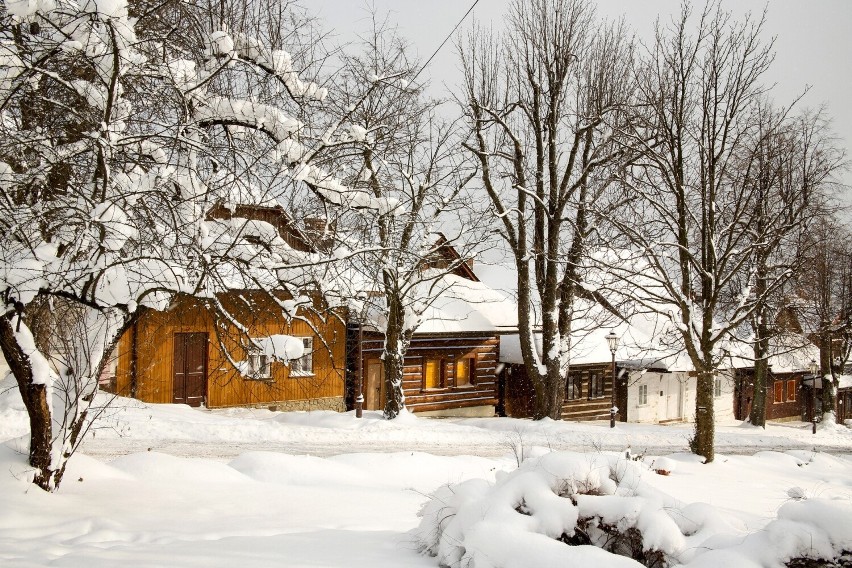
653 383
588 391
451 365
788 396
181 355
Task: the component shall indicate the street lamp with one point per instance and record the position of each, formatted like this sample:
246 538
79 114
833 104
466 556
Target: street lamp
813 368
612 341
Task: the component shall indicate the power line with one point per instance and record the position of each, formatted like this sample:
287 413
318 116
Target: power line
446 39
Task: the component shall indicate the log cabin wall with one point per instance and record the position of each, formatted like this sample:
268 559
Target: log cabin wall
590 398
150 348
433 367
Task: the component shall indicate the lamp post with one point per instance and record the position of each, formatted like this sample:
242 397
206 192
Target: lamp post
813 368
612 341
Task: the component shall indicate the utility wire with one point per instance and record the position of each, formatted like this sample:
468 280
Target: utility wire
446 39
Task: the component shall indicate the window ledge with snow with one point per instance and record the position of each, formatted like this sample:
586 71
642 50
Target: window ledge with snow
300 374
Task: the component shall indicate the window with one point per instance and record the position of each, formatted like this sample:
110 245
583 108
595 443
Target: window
595 385
717 388
779 391
259 365
304 365
791 391
575 386
433 374
464 372
643 395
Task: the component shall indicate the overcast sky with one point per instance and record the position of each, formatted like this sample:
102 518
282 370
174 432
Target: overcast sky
813 40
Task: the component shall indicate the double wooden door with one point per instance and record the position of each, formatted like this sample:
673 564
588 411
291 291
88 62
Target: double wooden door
190 369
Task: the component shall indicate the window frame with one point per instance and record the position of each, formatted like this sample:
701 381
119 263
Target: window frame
643 395
442 374
778 387
574 385
296 365
792 387
259 365
471 372
717 387
596 386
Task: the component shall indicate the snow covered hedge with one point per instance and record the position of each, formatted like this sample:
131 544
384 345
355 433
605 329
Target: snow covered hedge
572 509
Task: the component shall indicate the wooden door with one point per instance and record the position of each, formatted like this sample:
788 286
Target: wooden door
374 385
673 397
190 369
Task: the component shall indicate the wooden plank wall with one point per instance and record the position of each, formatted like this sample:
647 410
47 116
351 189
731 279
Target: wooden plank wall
482 347
226 387
520 395
788 409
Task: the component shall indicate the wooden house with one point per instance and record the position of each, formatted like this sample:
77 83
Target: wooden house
451 365
183 355
588 390
787 398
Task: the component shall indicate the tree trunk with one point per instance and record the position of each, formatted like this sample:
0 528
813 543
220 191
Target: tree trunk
757 416
35 400
829 394
703 442
394 354
394 368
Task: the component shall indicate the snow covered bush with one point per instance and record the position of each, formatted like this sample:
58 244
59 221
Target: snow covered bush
575 509
572 509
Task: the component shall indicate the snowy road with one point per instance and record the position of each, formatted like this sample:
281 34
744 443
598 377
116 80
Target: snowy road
322 443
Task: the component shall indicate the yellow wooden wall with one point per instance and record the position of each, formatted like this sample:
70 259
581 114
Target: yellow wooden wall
225 386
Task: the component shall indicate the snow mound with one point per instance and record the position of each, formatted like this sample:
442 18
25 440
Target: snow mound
575 509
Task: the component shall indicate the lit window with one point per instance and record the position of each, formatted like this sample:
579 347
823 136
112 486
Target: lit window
779 391
259 365
433 374
791 390
464 372
717 388
643 395
304 365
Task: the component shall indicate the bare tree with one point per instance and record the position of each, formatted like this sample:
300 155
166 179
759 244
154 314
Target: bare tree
789 165
547 105
407 161
822 297
698 223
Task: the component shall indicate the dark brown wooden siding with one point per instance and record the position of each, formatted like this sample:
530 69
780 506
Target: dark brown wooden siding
844 405
789 408
520 395
481 348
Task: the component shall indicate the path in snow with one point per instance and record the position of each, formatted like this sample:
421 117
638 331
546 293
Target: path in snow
325 446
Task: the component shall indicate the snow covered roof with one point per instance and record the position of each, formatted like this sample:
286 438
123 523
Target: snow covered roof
788 352
465 306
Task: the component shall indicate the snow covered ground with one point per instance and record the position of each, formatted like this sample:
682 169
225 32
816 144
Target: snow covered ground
236 488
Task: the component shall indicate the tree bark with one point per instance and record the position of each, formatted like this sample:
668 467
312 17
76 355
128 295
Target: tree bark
703 442
35 399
